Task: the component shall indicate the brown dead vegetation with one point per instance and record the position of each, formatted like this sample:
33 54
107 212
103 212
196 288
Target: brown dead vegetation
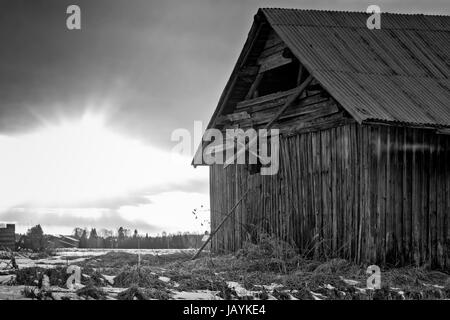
270 269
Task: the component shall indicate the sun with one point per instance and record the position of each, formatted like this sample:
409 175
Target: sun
74 162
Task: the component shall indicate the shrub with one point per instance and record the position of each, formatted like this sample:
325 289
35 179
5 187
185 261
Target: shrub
33 275
132 293
141 277
268 247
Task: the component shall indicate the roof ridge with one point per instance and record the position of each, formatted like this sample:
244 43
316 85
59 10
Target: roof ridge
356 27
383 74
351 11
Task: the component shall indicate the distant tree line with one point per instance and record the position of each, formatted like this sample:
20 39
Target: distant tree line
36 240
124 239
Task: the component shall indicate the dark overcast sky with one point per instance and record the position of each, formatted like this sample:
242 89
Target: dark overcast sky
150 66
158 65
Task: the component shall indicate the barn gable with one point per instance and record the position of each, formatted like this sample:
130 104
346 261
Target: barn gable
399 74
279 75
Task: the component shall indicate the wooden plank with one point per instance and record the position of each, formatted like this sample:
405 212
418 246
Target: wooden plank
433 201
357 178
293 230
345 192
339 191
301 74
212 203
280 98
248 71
368 154
342 192
362 187
309 113
334 183
408 173
304 191
382 196
317 195
228 118
271 50
440 189
350 193
398 195
446 223
273 61
426 157
326 191
336 120
310 194
254 87
373 224
286 200
415 200
391 192
264 99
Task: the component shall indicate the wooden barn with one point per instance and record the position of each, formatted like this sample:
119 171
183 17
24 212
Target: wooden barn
7 236
364 120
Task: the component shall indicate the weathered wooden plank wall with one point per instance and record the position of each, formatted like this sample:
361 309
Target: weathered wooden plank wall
373 193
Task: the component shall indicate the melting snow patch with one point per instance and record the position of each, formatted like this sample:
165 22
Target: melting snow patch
350 282
240 290
164 279
270 287
110 279
196 295
5 279
317 296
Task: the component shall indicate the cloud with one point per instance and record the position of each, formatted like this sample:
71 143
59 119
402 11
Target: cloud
67 219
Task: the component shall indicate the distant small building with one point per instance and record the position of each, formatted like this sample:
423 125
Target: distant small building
7 236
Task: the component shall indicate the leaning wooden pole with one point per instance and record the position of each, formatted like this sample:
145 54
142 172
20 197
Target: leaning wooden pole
229 214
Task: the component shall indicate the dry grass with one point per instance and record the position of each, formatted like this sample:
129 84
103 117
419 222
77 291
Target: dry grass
141 277
132 293
33 275
253 267
91 291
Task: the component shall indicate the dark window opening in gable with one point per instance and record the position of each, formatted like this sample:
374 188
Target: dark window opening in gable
279 79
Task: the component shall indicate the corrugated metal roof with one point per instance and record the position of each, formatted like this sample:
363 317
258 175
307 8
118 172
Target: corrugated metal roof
399 73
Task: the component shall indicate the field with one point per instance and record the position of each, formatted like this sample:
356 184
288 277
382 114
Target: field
256 272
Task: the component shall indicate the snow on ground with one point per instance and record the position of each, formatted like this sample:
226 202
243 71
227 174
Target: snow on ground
60 259
196 295
12 293
76 252
60 256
